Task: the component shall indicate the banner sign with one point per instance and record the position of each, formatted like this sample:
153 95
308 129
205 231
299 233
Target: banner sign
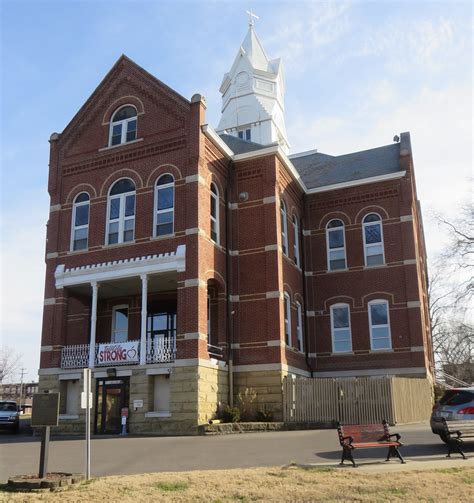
118 352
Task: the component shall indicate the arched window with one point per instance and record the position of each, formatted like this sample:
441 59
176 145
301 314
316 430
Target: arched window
284 228
286 299
123 126
164 205
296 240
80 222
299 326
379 323
341 328
121 212
214 213
373 239
336 245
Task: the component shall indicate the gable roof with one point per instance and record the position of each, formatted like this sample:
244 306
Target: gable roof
319 170
239 146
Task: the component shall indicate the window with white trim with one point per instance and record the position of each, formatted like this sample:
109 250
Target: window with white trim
245 134
120 324
80 222
214 213
341 328
287 319
299 326
336 245
379 323
296 241
373 239
123 126
164 206
284 228
121 212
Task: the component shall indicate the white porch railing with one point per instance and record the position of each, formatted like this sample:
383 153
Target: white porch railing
159 350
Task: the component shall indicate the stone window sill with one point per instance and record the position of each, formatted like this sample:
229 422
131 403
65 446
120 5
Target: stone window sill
110 147
157 414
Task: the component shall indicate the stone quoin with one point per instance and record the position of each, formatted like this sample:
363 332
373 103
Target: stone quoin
186 263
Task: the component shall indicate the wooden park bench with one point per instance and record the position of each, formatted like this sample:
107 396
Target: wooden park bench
365 436
456 432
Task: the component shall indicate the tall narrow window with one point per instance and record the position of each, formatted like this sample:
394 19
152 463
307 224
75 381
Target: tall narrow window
341 328
379 323
296 240
336 245
214 213
373 240
121 212
299 326
287 319
123 126
120 324
284 228
164 204
80 222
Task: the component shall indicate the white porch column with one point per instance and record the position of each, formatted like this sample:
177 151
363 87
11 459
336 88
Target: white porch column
143 348
95 291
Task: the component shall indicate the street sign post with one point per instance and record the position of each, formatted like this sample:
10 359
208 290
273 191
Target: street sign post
86 403
44 415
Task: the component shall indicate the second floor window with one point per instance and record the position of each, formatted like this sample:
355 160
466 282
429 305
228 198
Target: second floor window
164 204
284 228
341 329
336 245
80 222
373 240
296 242
123 126
121 212
214 213
120 324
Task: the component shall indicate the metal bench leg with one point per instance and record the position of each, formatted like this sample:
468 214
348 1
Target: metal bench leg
455 445
393 451
347 454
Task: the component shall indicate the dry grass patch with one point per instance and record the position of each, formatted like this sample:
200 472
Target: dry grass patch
269 484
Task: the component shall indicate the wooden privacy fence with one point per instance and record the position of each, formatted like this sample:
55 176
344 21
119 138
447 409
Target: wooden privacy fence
360 400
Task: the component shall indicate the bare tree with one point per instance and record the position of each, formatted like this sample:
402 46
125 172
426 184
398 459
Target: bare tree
10 362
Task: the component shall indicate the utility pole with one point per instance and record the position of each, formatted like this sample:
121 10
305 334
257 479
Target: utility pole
21 384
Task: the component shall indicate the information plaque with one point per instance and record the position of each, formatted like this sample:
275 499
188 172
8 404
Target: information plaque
45 409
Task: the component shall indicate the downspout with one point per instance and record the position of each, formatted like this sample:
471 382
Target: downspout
305 290
230 320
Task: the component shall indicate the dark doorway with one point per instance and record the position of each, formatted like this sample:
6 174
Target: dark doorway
111 397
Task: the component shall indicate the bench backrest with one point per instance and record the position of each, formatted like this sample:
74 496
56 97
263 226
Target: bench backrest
465 427
363 432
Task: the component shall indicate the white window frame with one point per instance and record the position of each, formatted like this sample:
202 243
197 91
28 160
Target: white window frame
75 228
333 329
296 242
216 219
284 227
287 309
114 310
367 246
156 211
299 326
122 218
387 325
329 250
124 124
245 132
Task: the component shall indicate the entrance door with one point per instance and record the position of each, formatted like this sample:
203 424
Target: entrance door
111 397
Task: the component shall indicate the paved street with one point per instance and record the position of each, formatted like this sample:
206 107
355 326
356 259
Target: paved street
128 455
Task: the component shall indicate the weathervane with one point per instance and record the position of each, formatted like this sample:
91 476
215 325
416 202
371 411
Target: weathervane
252 16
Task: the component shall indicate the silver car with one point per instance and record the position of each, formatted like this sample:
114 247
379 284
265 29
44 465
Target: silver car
9 416
455 405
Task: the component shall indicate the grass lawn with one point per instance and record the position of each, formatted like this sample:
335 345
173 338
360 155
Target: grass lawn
268 484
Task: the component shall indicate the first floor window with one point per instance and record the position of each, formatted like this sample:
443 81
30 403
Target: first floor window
120 324
379 325
287 319
299 326
80 222
341 328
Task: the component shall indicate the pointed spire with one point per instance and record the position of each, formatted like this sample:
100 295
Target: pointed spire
254 50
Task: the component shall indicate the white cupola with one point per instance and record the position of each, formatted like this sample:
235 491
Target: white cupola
252 96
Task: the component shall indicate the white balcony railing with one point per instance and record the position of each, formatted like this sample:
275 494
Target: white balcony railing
159 350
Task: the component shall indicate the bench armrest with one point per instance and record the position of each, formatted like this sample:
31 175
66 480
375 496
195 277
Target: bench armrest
397 435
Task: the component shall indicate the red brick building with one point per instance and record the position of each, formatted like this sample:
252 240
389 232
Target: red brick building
184 264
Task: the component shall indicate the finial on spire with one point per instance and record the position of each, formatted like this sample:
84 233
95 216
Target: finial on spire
252 16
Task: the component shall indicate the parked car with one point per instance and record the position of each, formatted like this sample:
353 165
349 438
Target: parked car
9 415
455 405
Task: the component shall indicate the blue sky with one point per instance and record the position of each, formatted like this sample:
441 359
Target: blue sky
357 73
